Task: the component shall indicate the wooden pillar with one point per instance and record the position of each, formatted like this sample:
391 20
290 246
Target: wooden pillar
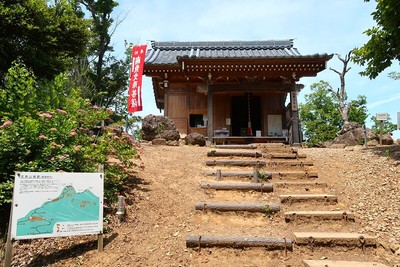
210 126
165 104
294 120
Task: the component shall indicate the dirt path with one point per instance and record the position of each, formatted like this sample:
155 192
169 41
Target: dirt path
160 215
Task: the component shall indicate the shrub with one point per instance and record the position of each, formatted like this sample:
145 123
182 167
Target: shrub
59 132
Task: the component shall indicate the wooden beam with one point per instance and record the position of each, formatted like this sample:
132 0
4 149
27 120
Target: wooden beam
238 186
239 242
258 163
249 207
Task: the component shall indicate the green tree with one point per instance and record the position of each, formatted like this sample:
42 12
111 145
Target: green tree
388 126
358 110
383 46
46 37
320 116
108 74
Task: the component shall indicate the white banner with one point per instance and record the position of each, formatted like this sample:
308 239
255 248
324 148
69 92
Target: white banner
51 204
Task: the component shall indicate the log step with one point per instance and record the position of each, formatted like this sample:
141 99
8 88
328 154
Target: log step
285 155
269 174
319 215
332 238
218 153
239 242
305 174
231 173
300 184
236 146
307 197
235 163
325 263
250 207
238 186
300 163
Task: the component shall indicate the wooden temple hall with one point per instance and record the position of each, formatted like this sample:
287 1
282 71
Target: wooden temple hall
237 92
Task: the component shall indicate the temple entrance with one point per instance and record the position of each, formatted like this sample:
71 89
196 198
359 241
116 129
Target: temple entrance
240 115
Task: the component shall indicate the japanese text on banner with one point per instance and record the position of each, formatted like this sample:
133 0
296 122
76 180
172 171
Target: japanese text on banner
135 84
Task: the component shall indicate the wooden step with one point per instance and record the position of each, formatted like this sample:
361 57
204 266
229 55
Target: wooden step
333 238
250 146
319 215
256 176
292 198
301 163
233 153
238 186
289 155
258 163
269 243
329 263
248 174
248 207
300 184
294 174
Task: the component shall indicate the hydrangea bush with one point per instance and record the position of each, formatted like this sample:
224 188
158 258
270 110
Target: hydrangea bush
48 127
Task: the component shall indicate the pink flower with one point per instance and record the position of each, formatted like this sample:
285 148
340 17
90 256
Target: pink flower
95 107
61 111
109 111
42 136
45 115
5 124
72 132
77 148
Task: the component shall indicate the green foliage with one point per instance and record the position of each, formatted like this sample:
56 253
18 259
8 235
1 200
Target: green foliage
46 37
263 176
320 114
358 110
37 134
388 126
108 74
383 46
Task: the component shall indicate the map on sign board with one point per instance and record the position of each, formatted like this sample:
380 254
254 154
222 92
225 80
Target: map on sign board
57 204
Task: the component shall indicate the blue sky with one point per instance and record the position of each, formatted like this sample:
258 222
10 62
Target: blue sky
334 26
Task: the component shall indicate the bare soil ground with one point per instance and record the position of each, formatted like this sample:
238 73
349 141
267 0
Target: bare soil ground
160 215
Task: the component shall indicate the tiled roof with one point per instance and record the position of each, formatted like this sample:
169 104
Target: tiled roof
167 53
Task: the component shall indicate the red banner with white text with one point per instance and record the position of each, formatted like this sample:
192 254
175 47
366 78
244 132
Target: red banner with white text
135 81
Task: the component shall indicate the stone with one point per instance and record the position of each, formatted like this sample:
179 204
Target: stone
195 139
352 134
159 142
159 127
387 139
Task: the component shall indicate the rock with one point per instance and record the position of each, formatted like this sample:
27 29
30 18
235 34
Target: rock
373 143
352 134
173 143
170 135
387 140
159 142
159 127
195 139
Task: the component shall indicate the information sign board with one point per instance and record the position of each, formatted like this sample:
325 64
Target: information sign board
381 116
52 204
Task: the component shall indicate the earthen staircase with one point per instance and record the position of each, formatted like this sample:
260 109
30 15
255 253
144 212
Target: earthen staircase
313 218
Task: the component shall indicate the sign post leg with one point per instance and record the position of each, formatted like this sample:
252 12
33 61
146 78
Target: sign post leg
100 239
380 135
8 256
